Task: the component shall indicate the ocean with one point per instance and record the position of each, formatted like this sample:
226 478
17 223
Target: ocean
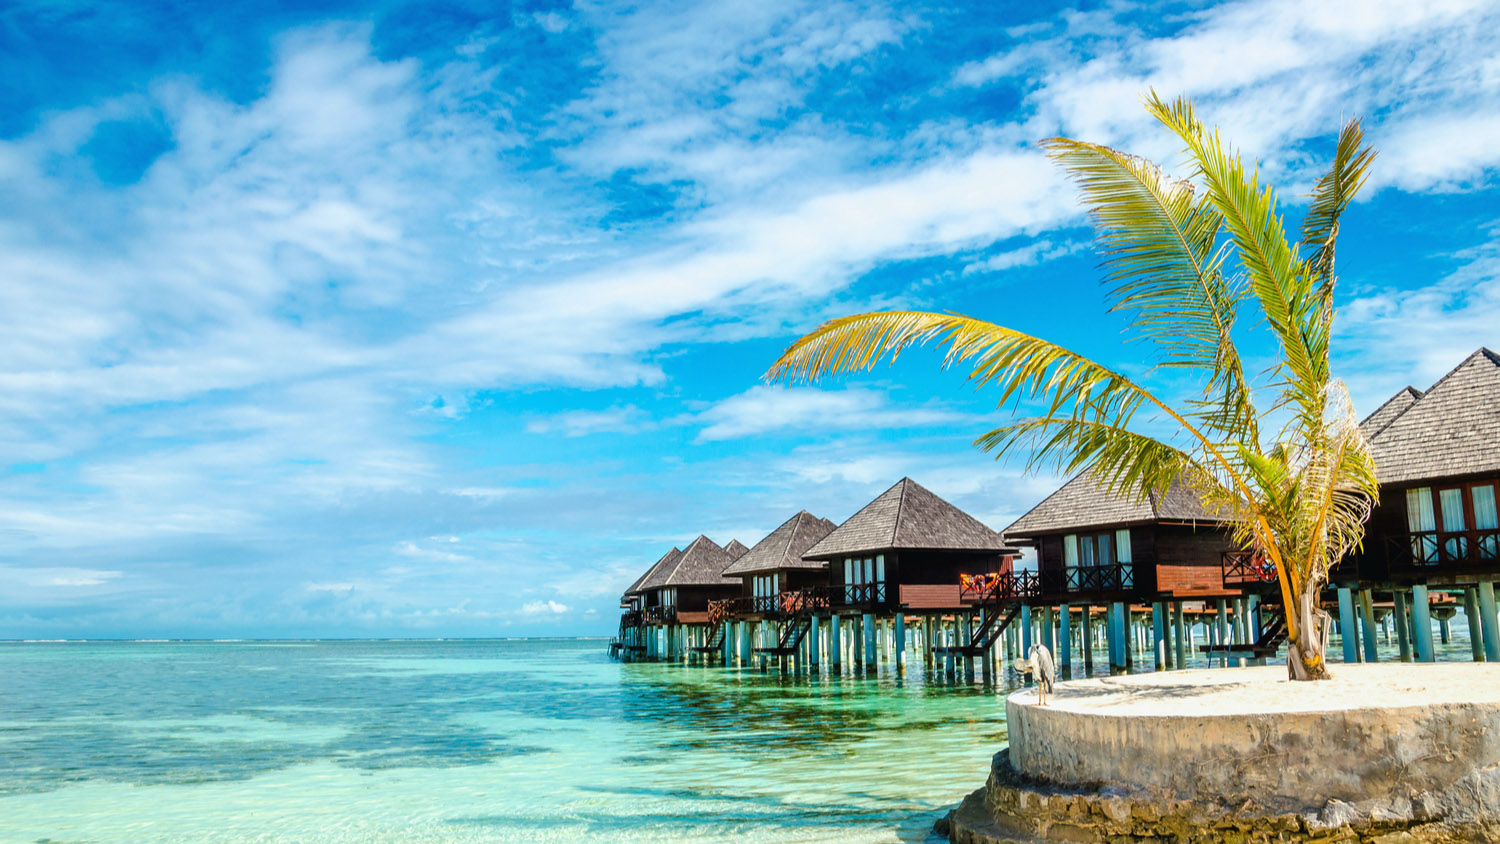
380 742
469 741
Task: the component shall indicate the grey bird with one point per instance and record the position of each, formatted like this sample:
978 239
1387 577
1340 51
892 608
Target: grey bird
1046 672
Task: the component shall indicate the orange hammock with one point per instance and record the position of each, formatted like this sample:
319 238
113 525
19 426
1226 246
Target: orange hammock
977 582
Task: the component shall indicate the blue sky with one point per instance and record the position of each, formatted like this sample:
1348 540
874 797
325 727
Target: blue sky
443 319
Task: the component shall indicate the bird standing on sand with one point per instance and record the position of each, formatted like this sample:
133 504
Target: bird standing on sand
1040 664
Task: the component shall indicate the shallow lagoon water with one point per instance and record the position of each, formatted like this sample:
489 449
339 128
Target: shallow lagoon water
369 742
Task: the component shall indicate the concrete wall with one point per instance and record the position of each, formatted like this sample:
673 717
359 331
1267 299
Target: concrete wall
1171 739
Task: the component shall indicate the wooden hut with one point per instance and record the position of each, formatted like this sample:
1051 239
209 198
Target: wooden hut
1435 527
1095 548
775 566
902 555
679 591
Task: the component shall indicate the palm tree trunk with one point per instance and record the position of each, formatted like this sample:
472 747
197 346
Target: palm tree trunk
1307 644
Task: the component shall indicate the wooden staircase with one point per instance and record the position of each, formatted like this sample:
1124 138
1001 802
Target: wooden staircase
987 633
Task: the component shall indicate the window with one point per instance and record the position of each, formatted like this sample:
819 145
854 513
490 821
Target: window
864 579
1095 549
669 597
1453 524
1097 561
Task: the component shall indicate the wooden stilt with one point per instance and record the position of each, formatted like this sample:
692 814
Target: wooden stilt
1367 624
1471 619
1178 635
1421 623
1065 640
900 642
1347 624
1403 624
1488 622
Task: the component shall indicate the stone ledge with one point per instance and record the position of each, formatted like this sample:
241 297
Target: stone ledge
1375 732
1013 809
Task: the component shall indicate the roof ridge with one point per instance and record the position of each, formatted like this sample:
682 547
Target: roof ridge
1481 352
1407 390
791 535
900 504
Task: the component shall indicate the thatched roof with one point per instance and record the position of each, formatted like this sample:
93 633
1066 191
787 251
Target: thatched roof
702 563
1393 407
1082 503
735 549
1452 429
782 549
638 586
907 517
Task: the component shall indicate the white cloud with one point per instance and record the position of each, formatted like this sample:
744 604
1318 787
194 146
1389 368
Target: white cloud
579 423
809 412
543 608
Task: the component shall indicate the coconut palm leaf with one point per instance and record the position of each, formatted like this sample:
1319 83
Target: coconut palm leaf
1159 247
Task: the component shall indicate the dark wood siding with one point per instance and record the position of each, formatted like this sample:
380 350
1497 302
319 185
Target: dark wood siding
1190 559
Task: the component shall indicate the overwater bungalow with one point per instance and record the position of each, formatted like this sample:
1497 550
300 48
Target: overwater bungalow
902 555
774 567
678 590
1435 529
1163 552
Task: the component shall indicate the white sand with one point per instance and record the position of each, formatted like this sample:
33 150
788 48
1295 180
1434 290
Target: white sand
1242 691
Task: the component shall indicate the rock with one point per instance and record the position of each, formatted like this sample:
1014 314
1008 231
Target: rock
943 825
1335 813
1116 809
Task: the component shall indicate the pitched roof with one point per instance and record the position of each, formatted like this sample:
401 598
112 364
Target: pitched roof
1083 503
1393 407
1453 429
735 549
702 563
639 585
782 548
907 516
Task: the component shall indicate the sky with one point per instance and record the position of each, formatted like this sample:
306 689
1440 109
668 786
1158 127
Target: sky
448 319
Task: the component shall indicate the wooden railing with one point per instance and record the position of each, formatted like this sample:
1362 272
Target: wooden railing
1117 577
1245 567
660 615
1025 585
1460 548
860 594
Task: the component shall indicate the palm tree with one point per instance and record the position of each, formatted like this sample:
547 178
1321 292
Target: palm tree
1292 477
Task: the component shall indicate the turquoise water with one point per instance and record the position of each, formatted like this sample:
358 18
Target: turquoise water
470 741
475 741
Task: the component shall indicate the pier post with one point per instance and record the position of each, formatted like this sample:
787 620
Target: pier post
1026 631
1179 635
1086 639
1367 624
900 642
1158 635
1048 640
1444 633
867 625
1488 622
1110 622
835 642
1421 622
1348 627
1403 624
927 641
1065 640
813 643
1471 620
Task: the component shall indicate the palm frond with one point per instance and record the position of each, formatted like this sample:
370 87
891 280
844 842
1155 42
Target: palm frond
1332 194
1158 241
1277 276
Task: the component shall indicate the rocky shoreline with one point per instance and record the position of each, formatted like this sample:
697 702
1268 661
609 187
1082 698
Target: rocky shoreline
1013 809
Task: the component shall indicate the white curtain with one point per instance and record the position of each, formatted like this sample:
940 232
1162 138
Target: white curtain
1419 510
1070 550
1122 546
1484 508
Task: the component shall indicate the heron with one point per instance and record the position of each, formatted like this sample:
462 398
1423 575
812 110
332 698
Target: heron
1040 664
